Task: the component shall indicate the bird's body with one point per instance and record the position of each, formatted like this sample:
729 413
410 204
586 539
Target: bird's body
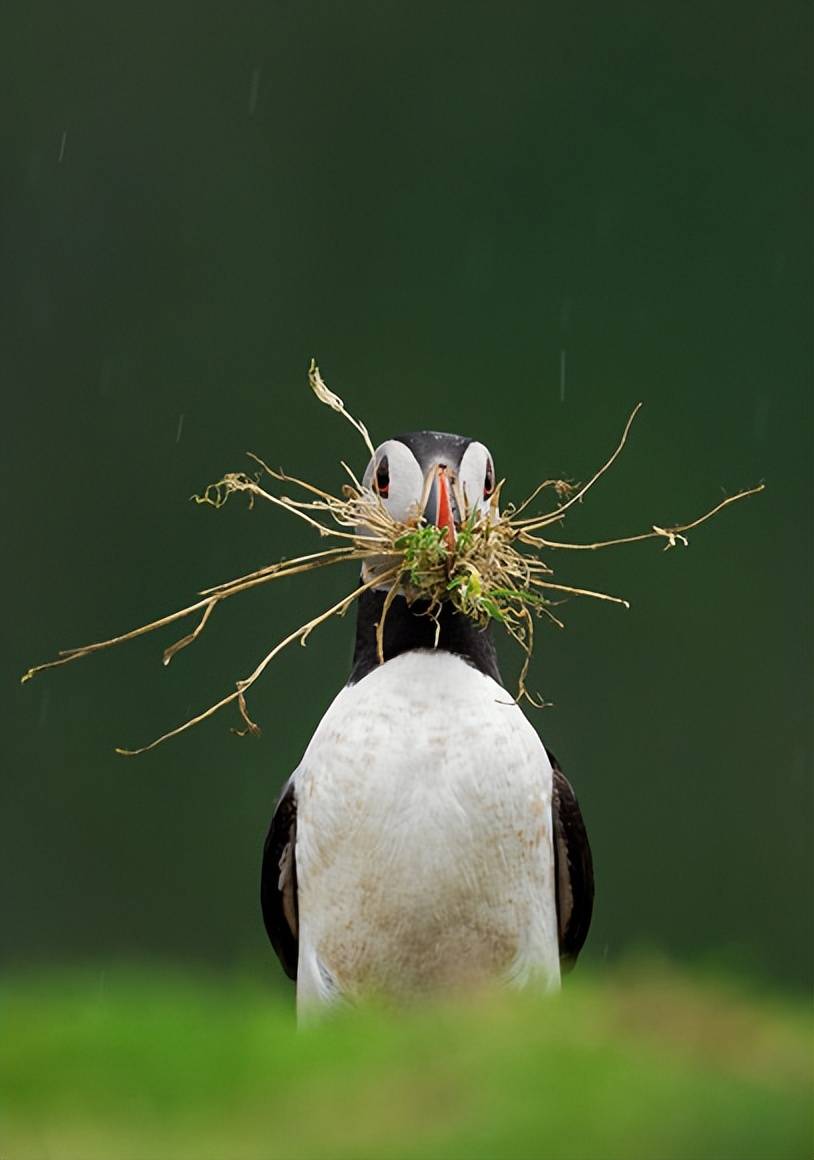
427 840
424 855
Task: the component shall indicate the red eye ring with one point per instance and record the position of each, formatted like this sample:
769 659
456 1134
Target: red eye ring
381 479
489 480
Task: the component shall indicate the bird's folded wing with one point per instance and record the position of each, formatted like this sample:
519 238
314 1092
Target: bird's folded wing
278 882
573 869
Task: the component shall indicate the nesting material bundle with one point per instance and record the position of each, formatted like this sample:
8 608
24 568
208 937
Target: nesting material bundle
493 571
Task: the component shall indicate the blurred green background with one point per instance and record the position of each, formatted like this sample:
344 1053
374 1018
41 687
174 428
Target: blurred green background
511 221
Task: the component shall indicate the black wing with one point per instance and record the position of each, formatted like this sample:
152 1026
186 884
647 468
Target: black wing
573 869
278 881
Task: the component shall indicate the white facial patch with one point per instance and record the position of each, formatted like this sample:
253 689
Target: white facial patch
476 477
405 480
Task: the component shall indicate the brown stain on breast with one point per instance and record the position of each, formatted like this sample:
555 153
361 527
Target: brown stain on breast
423 957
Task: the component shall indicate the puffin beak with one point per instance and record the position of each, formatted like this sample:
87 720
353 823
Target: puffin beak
440 508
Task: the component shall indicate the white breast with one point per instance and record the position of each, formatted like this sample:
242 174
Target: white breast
424 849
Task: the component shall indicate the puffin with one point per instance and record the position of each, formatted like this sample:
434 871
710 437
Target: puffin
428 841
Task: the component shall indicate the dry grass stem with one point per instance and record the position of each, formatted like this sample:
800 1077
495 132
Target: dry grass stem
335 403
239 694
580 491
493 572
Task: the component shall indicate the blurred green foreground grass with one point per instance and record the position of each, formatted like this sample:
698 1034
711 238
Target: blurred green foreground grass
140 1065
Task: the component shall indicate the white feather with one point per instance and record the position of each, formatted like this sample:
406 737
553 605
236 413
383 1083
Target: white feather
424 844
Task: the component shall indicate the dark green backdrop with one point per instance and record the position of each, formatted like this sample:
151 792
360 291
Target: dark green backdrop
508 220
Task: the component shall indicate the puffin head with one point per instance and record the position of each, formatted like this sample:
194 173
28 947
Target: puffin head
442 477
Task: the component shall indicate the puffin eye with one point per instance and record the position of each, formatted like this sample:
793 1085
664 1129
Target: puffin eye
489 480
381 480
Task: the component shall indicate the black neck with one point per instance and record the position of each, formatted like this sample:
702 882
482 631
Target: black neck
407 626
